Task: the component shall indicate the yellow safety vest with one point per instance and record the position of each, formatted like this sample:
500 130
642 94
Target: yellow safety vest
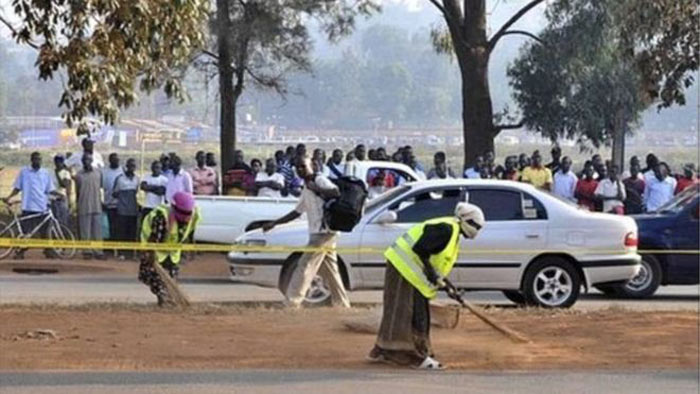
400 254
172 236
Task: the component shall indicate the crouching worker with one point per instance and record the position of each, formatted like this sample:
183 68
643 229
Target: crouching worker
418 262
168 224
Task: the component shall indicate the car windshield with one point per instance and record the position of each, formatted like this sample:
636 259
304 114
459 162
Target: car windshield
384 198
680 201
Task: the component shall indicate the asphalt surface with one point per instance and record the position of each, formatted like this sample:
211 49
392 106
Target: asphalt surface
361 381
66 289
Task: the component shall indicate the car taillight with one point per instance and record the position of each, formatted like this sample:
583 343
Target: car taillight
631 240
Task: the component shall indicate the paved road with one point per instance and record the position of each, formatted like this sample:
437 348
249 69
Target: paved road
67 289
290 381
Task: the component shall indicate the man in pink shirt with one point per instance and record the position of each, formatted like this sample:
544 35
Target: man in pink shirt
204 179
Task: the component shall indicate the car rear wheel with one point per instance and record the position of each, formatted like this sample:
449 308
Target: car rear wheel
551 282
646 282
515 296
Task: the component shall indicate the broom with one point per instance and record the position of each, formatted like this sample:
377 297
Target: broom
511 334
176 294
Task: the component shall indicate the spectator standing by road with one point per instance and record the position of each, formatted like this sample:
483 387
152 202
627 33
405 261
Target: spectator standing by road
537 174
510 172
523 163
269 182
634 161
611 192
634 189
335 167
585 189
233 179
325 263
204 179
154 186
178 180
36 185
648 172
75 161
126 187
475 171
249 178
659 189
63 182
565 181
109 176
88 182
440 169
688 179
555 164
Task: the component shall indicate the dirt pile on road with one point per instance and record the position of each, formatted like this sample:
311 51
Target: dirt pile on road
123 337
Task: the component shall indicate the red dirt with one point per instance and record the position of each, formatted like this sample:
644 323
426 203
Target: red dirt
121 337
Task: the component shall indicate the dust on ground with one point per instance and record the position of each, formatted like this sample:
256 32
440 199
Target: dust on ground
129 337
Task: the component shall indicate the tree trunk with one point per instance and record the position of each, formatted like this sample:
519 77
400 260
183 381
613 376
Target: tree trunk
227 116
477 110
618 147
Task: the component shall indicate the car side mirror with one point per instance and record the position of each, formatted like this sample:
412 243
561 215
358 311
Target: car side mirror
386 217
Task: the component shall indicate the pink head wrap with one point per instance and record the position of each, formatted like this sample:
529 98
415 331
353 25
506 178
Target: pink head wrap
182 207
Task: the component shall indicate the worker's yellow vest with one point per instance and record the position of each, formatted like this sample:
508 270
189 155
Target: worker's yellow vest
172 236
410 266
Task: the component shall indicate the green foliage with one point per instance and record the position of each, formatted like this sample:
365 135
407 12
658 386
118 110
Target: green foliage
270 39
105 47
602 63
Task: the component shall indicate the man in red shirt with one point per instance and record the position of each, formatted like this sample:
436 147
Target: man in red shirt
689 178
585 189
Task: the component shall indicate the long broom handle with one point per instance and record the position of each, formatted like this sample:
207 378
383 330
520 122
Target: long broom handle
508 332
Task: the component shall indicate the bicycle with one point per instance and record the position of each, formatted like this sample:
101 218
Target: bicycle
56 231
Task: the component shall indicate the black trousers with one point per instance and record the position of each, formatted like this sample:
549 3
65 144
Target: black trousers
127 227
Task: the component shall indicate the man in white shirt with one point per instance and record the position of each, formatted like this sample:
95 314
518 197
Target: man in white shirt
154 187
565 181
325 263
75 162
659 188
269 182
611 191
334 165
178 180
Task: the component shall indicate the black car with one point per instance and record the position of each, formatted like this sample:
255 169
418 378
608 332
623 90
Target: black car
670 235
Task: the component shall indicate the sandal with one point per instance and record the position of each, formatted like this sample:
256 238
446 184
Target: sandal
431 364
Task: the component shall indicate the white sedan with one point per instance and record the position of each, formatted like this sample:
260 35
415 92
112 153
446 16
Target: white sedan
536 248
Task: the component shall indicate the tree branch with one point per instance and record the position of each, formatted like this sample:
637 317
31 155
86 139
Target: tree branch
439 6
210 54
15 33
501 32
519 32
518 125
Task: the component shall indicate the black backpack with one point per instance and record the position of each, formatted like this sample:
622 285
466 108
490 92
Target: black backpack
344 212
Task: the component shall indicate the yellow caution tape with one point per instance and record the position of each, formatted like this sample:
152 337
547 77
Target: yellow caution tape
32 243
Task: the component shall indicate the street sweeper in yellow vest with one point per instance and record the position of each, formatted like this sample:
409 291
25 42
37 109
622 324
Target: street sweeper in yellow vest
418 263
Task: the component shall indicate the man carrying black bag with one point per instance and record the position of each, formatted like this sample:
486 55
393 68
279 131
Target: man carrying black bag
317 189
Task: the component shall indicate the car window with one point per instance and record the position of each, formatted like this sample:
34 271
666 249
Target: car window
533 208
497 205
427 205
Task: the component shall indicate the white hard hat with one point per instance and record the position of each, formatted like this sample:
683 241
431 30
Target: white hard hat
471 218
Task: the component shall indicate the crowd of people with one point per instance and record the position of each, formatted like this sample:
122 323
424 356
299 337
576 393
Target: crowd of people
112 189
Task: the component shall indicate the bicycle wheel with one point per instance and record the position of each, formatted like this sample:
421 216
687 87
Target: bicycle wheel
60 232
7 232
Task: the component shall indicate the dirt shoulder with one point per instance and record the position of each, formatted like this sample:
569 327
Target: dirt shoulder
123 337
203 265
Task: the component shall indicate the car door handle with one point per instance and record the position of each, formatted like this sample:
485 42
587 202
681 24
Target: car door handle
532 236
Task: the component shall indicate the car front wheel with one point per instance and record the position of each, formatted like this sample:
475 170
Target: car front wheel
318 294
646 282
551 282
